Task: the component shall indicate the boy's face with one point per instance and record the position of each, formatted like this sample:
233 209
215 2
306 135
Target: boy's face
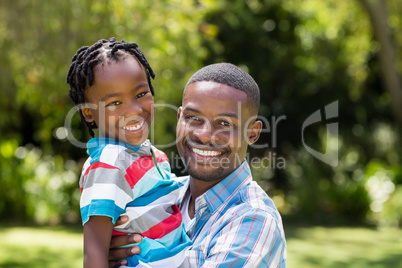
120 101
214 130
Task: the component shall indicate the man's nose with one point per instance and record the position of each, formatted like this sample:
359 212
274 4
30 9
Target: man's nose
204 132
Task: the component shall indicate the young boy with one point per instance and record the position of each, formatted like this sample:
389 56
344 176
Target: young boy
110 83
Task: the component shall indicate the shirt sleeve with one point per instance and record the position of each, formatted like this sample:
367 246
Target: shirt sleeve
251 240
105 192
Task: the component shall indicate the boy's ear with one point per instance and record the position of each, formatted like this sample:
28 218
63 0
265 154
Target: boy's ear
254 132
87 113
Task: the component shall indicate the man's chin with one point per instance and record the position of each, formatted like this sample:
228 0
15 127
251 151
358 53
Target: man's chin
204 174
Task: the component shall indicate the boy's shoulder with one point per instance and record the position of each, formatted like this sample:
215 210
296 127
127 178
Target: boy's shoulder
159 155
108 153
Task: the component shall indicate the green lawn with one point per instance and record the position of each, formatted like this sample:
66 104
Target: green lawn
43 247
312 247
318 247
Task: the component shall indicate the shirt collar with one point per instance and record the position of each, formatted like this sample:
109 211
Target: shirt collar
223 190
97 143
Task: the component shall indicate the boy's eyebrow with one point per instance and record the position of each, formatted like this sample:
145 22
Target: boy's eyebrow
107 96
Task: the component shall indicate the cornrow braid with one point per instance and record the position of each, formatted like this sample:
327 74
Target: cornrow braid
81 72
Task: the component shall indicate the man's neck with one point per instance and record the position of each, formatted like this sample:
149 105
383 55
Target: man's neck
198 187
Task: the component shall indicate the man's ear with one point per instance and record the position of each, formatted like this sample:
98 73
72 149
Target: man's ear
254 131
87 113
179 112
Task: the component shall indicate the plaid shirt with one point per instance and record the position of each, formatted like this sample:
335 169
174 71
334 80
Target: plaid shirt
236 224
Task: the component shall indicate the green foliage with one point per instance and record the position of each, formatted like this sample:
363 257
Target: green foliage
37 187
383 184
34 97
303 54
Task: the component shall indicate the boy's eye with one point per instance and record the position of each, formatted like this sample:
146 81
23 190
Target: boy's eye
115 103
141 95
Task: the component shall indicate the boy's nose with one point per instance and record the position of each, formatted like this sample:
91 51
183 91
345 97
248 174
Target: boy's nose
133 109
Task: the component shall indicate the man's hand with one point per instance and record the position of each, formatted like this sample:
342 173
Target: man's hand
118 241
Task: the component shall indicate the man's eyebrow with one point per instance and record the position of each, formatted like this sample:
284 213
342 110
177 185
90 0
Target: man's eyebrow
189 109
232 115
229 115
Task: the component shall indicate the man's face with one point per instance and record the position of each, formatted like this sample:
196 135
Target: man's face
214 129
120 101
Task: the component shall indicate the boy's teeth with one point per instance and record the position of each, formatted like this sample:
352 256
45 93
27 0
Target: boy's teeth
205 153
134 127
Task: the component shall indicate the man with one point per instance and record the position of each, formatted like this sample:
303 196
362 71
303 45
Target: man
231 221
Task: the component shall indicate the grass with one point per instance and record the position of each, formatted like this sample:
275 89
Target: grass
310 247
318 247
43 247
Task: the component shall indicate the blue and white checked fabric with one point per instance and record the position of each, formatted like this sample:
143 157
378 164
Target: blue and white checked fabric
236 224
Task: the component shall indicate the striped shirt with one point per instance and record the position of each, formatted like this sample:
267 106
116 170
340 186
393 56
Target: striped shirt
236 224
120 178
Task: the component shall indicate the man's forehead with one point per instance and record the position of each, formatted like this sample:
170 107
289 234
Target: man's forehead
209 103
215 91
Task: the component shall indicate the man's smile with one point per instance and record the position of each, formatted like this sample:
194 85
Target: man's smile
205 153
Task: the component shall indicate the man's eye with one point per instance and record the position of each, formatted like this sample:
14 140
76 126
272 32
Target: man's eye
192 118
225 124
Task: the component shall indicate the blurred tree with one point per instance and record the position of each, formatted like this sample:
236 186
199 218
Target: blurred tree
306 55
384 34
38 42
303 54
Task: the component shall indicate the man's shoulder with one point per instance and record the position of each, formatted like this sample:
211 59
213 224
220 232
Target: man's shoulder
253 200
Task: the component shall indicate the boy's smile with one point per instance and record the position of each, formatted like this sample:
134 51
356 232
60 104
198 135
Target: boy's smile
120 101
134 126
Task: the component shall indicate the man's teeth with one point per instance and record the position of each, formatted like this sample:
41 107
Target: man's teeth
135 127
205 153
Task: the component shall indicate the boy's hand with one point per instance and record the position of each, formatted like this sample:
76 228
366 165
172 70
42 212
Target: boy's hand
118 241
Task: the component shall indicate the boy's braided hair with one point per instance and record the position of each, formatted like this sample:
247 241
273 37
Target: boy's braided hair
81 72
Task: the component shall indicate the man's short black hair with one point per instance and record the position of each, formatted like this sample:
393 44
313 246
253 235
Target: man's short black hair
233 76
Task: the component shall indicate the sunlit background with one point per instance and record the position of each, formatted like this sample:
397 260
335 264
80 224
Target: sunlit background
304 55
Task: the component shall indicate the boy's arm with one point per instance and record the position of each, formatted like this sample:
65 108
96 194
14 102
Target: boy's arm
123 240
97 236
